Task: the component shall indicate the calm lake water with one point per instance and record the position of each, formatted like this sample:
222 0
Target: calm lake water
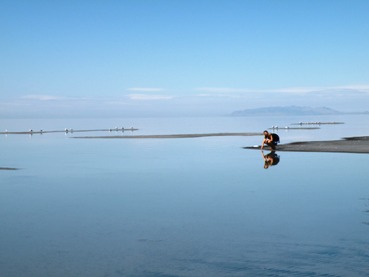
181 207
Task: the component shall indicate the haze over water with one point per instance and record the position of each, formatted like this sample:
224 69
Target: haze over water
181 207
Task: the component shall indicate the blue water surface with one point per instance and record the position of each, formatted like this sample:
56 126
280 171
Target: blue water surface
181 207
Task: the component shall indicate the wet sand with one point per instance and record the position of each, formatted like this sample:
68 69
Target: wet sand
172 136
346 145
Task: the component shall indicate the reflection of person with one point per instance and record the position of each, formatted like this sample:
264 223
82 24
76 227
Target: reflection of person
270 159
270 140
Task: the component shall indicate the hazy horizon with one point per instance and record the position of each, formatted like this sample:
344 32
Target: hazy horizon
183 106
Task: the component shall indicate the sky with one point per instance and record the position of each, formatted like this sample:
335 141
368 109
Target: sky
181 57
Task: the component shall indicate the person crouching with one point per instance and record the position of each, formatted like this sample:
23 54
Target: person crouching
270 139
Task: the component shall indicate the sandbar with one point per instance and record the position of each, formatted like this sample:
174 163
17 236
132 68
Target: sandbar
171 136
358 145
8 168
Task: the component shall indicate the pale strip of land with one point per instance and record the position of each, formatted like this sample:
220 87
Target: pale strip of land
358 145
32 132
172 136
293 128
318 123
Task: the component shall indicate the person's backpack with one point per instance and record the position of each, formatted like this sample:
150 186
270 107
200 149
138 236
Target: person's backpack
275 158
275 137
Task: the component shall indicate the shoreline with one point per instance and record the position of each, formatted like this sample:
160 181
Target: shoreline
354 145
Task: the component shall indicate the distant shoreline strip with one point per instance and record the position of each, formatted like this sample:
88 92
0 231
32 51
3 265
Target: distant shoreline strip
33 132
172 136
318 123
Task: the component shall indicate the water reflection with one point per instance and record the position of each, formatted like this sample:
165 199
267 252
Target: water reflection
270 159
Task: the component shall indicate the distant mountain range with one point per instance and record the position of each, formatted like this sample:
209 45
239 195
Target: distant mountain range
290 110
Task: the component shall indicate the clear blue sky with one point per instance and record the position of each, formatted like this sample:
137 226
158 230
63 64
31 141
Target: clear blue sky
153 56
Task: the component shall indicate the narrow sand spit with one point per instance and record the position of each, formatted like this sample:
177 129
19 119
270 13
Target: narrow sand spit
172 136
345 145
